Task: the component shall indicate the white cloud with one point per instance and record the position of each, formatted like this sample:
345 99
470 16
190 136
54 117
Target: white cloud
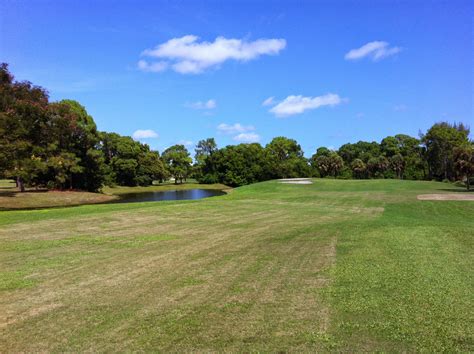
376 50
298 104
242 133
247 137
187 143
234 128
209 104
269 101
152 67
144 134
186 55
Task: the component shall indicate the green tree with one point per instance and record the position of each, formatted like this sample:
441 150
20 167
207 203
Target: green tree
362 150
327 162
336 164
377 166
397 162
358 168
150 168
320 161
73 130
128 162
23 114
237 165
441 140
65 165
178 161
285 159
390 146
28 171
411 164
204 150
464 162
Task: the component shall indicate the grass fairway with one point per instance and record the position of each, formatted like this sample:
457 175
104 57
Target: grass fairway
336 265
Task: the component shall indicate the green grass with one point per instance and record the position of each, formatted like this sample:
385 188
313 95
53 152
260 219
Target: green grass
7 184
333 266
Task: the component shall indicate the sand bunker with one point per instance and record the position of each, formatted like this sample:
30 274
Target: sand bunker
447 196
296 181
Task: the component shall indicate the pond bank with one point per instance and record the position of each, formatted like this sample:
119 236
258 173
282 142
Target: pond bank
12 199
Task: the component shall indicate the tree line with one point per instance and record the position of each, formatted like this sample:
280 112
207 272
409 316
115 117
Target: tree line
57 145
443 153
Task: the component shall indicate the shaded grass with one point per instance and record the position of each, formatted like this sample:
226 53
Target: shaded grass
11 199
337 265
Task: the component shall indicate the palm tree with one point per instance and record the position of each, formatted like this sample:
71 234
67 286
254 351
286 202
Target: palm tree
358 168
398 164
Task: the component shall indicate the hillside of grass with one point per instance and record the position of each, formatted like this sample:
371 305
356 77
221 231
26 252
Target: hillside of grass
336 265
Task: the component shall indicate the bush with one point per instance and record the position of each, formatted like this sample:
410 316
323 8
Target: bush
208 179
346 173
315 173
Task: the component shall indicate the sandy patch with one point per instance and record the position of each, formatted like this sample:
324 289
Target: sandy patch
447 196
295 180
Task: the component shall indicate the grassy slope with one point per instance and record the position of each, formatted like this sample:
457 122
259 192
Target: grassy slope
357 265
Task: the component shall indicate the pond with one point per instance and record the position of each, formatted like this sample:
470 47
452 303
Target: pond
186 194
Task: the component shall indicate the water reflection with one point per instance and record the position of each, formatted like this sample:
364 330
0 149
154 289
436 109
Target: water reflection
187 194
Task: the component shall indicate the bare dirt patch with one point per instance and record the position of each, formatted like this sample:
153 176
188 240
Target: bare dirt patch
447 196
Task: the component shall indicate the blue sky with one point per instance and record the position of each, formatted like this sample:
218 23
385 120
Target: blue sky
338 71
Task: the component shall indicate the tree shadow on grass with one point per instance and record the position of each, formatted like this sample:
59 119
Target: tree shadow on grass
50 206
72 205
8 193
13 193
